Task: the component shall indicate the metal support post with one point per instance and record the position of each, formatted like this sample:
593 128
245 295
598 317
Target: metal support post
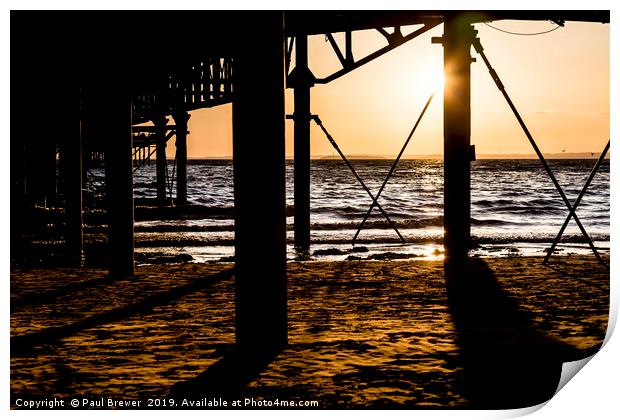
113 124
259 165
180 120
160 157
302 80
74 235
457 40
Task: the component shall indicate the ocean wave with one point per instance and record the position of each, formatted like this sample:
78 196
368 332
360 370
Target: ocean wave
529 210
544 238
380 224
426 239
511 201
491 222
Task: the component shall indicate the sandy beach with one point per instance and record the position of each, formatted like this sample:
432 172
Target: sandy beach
389 334
242 238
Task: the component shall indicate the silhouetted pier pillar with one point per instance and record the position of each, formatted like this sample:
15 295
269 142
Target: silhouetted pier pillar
180 120
160 157
259 180
73 183
457 41
302 80
114 127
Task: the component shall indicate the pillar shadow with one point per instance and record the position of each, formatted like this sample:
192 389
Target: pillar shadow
49 295
226 378
35 342
507 362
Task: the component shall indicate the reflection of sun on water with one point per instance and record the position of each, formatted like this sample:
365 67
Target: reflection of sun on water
435 253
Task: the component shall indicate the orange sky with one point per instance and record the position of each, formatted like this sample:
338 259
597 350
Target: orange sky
558 81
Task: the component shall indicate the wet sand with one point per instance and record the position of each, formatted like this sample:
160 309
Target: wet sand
384 334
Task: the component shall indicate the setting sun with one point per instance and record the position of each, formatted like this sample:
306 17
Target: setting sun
433 77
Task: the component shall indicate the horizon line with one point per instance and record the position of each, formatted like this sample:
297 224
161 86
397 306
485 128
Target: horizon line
437 156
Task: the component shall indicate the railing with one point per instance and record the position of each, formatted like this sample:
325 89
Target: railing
204 84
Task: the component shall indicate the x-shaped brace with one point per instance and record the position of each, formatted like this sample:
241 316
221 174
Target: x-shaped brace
571 209
576 203
318 121
402 150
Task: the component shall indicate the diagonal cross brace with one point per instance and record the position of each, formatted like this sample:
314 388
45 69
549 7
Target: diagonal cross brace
318 121
402 150
577 201
478 46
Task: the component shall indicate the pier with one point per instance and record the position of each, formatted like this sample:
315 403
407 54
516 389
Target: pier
131 79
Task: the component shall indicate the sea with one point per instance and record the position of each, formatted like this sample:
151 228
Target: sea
515 210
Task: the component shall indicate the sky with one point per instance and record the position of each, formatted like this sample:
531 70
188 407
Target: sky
559 82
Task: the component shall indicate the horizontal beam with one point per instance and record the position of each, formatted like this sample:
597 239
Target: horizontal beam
226 98
595 16
151 128
321 22
53 31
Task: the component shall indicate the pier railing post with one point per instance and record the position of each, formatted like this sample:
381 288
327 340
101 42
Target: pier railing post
180 120
160 157
259 167
302 80
457 40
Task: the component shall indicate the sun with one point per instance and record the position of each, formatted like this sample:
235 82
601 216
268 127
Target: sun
436 80
432 77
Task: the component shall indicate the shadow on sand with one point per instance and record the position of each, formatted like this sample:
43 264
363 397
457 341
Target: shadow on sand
507 361
34 342
226 378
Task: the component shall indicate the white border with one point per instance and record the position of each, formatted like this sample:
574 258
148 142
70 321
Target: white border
591 394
